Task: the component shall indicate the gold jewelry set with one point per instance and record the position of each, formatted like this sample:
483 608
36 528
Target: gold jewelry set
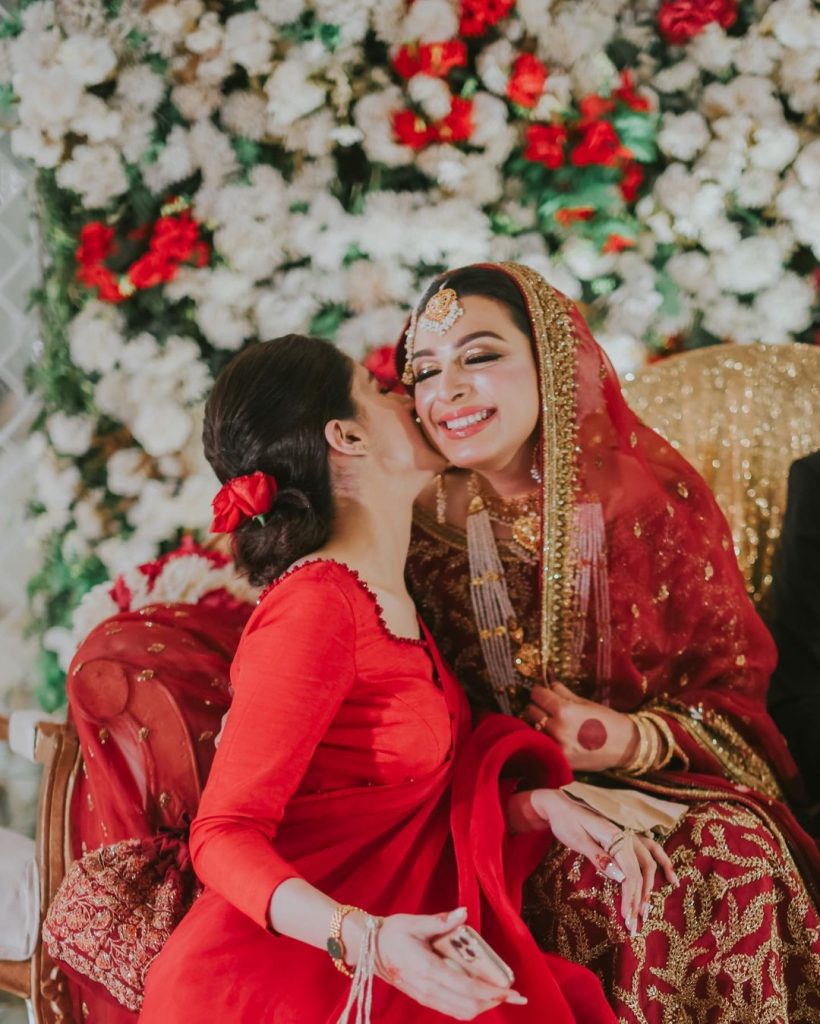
656 745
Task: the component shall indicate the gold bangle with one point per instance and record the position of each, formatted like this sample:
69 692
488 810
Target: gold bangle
635 763
663 728
335 946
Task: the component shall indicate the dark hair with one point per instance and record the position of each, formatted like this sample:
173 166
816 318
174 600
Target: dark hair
489 282
267 411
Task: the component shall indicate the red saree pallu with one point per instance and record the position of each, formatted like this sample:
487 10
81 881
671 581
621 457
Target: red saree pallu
349 760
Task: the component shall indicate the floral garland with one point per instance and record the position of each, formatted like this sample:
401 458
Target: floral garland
656 161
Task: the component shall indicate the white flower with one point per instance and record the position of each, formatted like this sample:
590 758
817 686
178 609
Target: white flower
118 554
196 100
139 88
96 173
161 427
370 285
807 165
37 16
494 64
278 314
432 94
786 307
795 24
492 130
746 94
56 483
70 435
722 161
281 12
584 260
626 353
212 151
757 55
719 235
32 144
245 114
753 264
95 339
535 16
49 97
136 136
174 20
126 471
756 188
554 273
712 49
174 161
87 518
775 147
430 21
291 94
675 189
248 41
95 607
800 79
222 326
96 120
112 394
61 642
373 118
677 77
730 320
683 136
207 36
87 59
369 330
691 271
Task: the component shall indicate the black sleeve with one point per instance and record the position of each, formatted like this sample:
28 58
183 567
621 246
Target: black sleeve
794 696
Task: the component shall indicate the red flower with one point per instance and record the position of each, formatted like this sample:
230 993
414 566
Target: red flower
95 275
434 59
570 214
381 362
242 498
626 93
681 20
593 108
121 595
96 242
479 15
599 145
545 144
175 237
617 243
152 269
411 130
631 181
527 80
458 125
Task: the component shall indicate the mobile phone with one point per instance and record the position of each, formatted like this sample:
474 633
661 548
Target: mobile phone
464 949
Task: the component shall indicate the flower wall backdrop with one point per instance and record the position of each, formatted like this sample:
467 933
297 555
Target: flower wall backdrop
210 174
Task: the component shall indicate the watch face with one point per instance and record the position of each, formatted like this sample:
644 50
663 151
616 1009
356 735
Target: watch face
336 949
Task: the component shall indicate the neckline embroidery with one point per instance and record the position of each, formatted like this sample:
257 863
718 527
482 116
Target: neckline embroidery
363 586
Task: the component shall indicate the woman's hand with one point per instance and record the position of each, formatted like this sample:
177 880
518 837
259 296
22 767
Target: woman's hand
406 960
632 860
593 737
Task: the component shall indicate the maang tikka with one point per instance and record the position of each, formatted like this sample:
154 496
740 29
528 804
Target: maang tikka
440 313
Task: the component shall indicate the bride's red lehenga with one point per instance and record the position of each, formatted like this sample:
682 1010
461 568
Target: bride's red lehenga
665 625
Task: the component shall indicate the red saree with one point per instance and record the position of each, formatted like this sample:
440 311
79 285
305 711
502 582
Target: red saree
661 621
349 759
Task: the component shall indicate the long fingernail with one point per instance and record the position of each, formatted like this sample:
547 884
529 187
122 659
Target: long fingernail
614 872
646 909
675 880
517 998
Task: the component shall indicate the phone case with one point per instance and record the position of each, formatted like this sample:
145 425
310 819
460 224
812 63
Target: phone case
464 949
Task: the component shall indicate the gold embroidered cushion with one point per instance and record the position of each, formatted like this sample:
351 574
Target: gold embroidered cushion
116 908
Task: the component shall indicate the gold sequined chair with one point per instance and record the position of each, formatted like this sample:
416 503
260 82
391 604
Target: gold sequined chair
741 414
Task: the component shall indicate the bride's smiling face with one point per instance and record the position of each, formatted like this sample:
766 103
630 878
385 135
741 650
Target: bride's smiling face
476 388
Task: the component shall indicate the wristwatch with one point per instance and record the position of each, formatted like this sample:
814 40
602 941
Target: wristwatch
335 946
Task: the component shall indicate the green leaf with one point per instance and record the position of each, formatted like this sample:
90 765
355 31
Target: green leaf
326 322
638 132
247 151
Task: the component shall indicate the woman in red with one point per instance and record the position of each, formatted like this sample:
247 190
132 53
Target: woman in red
349 775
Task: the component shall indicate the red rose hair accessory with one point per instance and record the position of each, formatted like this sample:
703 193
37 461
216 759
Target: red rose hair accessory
242 498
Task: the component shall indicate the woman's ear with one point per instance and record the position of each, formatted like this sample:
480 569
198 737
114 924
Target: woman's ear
345 437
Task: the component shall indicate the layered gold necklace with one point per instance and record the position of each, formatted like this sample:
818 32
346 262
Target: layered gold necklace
511 663
522 515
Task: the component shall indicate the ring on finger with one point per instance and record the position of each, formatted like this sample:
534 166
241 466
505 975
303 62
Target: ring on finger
613 845
541 724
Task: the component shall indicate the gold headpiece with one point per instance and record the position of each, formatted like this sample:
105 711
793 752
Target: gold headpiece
440 313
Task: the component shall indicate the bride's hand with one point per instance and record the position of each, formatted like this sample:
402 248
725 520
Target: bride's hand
406 960
633 860
593 737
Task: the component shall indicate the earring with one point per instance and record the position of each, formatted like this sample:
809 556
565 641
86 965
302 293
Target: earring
535 469
417 419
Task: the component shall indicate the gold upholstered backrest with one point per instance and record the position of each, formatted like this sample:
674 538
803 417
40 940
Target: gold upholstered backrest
741 414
